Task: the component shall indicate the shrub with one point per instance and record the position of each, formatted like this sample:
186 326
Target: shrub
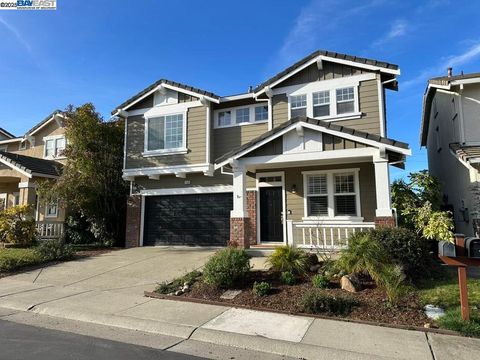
405 248
391 279
51 250
261 288
13 259
320 302
226 267
452 320
320 281
287 278
288 258
77 231
17 226
172 286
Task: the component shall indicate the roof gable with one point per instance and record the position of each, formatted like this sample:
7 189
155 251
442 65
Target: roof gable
31 166
7 134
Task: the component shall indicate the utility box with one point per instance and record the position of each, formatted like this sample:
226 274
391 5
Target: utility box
446 248
472 245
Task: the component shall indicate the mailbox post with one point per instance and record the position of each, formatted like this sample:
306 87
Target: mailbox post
461 257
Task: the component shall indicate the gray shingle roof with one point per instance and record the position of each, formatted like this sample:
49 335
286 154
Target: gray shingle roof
168 82
313 55
325 124
33 165
445 80
6 133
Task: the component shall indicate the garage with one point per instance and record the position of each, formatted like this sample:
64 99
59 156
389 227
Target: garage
197 219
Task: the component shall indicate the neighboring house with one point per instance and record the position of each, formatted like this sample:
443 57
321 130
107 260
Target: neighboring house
301 159
23 160
451 133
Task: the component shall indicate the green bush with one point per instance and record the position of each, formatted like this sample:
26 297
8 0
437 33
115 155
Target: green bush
226 268
51 250
320 302
12 259
405 248
320 281
287 278
172 286
261 288
288 258
452 320
17 226
391 279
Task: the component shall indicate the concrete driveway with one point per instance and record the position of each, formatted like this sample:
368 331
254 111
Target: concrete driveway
128 271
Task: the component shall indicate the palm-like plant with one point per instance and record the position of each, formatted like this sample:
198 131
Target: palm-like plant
288 258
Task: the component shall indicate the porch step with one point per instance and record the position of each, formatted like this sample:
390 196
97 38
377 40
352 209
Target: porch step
261 250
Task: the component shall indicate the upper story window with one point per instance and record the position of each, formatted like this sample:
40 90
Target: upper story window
3 148
54 147
165 133
243 115
345 100
321 103
298 105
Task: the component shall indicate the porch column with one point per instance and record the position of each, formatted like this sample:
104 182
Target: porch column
27 194
239 220
383 213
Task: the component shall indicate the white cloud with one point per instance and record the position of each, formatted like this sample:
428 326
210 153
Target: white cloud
16 33
397 29
472 53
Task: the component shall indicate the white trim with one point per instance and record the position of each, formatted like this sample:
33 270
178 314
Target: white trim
142 220
4 196
281 184
9 141
270 114
251 116
188 190
46 123
13 167
208 133
381 107
47 216
191 93
331 195
165 111
27 184
237 97
328 59
9 136
165 170
54 138
382 188
125 137
162 152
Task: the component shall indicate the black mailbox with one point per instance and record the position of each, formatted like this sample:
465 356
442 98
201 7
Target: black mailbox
446 248
472 245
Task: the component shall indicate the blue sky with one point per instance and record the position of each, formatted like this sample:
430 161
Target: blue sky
105 51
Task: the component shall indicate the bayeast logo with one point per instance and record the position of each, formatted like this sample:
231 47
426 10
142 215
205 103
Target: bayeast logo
36 4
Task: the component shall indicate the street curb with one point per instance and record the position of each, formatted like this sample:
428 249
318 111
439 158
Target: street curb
155 295
121 321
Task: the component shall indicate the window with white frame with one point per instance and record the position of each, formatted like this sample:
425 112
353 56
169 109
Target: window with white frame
242 115
51 210
317 195
54 147
16 199
345 100
332 194
3 201
345 196
261 113
165 132
298 105
321 103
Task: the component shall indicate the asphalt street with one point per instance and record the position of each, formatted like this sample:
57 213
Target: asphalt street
26 342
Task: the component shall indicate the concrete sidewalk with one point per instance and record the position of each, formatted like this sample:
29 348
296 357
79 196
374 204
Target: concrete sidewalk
293 336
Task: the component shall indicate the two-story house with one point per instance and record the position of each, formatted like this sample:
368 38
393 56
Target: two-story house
24 160
451 133
301 159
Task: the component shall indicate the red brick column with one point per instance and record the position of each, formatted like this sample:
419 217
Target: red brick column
384 221
252 214
134 214
239 232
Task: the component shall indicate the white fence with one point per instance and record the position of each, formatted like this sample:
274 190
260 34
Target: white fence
326 236
48 230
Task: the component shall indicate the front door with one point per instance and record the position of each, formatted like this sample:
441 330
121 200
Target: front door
271 217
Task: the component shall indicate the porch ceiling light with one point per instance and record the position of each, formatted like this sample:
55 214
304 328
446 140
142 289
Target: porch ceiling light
294 189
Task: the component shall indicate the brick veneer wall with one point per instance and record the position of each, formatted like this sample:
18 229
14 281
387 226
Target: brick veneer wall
134 214
239 232
252 214
384 221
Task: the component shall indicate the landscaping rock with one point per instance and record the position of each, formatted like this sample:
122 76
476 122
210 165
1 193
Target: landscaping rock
315 268
433 312
350 283
178 292
230 294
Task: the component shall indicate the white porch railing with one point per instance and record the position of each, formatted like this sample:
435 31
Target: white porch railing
48 230
326 236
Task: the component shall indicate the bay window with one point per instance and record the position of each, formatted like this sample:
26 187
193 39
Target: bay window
242 115
165 133
298 105
332 194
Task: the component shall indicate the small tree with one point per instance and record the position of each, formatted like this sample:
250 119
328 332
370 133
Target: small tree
418 203
91 183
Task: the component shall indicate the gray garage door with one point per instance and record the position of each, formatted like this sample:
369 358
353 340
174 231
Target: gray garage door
200 219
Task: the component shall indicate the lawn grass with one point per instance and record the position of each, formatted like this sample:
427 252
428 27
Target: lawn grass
444 292
15 258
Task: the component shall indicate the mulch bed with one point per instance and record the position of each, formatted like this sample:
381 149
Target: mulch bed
285 298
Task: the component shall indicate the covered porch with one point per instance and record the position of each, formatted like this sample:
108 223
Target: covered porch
18 181
311 185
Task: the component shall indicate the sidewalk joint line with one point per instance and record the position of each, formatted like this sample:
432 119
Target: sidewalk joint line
306 331
25 291
430 346
131 307
53 300
36 277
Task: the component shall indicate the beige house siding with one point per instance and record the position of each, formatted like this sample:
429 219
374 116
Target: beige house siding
196 142
172 182
279 109
227 139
